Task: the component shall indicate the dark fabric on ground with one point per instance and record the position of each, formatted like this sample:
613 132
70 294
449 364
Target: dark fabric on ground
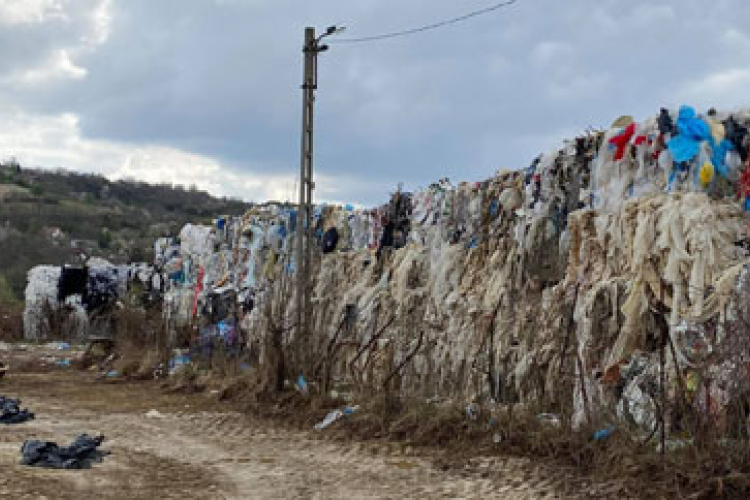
82 452
11 413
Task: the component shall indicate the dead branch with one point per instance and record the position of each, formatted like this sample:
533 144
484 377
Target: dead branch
325 362
408 358
367 347
375 337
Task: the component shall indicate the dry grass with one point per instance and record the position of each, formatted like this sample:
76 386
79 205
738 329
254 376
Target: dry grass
629 467
11 323
622 462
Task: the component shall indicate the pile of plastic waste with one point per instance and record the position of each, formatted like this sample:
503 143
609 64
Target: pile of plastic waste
498 289
80 292
567 266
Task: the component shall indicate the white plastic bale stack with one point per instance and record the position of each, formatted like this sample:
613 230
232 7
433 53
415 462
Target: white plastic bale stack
675 250
196 240
41 292
519 282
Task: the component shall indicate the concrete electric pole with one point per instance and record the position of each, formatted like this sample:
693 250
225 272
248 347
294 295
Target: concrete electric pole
304 235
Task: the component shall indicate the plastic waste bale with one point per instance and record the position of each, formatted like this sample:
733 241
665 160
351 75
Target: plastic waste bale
196 240
41 292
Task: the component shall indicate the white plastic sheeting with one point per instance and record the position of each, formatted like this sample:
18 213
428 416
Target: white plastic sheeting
517 281
41 293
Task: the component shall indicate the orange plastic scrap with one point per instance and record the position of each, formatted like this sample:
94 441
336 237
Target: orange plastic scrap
612 375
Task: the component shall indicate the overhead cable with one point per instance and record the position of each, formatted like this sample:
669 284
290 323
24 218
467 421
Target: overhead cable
427 27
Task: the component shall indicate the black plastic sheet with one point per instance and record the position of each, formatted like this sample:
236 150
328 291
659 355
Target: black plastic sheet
11 412
81 454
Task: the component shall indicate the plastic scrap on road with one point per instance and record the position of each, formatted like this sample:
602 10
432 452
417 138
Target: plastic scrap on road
81 453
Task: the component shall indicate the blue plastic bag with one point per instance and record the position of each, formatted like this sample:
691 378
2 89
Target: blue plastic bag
691 131
302 384
494 205
603 433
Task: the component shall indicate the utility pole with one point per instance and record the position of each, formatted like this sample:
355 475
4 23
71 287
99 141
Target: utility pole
304 235
304 212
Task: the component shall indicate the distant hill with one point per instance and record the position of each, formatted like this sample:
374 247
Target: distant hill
51 217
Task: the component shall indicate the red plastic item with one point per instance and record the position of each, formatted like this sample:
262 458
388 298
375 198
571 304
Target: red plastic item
198 290
621 140
744 186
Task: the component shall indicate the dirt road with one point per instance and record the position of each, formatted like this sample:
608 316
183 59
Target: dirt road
179 446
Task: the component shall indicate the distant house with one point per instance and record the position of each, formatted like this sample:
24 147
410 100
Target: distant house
54 232
85 245
11 166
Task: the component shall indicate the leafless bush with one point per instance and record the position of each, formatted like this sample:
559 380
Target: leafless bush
11 324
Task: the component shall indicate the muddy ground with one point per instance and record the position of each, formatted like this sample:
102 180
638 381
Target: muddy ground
190 446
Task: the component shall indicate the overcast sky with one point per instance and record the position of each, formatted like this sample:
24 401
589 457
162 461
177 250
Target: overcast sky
206 92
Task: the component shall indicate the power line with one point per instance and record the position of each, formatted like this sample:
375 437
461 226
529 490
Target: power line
427 27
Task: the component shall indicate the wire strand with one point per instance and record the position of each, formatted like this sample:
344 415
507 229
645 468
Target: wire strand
427 27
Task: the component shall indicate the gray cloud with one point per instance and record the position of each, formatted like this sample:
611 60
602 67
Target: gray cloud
221 79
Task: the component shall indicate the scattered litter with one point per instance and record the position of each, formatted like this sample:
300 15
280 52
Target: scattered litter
330 418
63 362
178 362
674 444
497 438
11 412
550 418
154 414
301 385
472 412
82 452
113 374
602 434
404 465
62 346
334 416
